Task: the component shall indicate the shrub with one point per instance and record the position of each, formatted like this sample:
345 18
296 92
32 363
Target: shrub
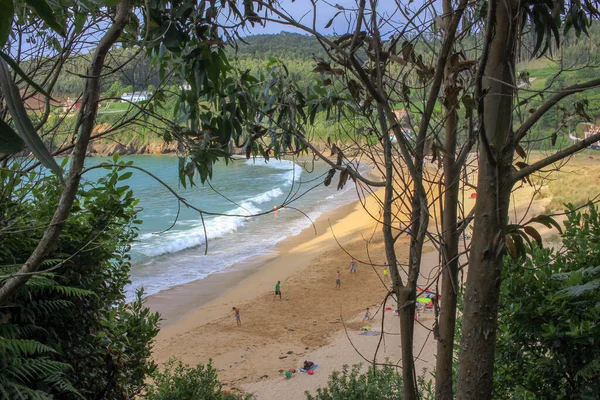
68 333
179 381
378 383
548 343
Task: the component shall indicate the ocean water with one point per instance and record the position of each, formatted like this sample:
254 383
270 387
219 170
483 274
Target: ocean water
241 189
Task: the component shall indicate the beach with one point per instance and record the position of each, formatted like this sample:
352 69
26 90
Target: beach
313 320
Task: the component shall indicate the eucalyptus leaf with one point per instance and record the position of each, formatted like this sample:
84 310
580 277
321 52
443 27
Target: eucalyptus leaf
23 123
42 9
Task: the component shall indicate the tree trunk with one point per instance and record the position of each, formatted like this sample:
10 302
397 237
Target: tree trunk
476 361
450 238
403 293
87 117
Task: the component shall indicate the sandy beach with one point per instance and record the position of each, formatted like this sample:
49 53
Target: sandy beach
313 320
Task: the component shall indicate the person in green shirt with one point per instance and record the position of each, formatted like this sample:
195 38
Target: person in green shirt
278 290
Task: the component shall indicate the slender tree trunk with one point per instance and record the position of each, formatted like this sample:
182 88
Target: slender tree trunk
404 294
476 361
87 117
450 237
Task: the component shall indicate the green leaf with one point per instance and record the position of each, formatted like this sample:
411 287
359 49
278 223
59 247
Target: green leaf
125 176
45 12
6 20
23 123
10 142
80 20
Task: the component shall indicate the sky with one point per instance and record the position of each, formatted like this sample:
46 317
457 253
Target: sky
303 10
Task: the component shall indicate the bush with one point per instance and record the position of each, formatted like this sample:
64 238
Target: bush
377 384
179 381
68 333
548 343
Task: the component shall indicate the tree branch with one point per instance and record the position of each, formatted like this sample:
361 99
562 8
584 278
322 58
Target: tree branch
522 173
522 131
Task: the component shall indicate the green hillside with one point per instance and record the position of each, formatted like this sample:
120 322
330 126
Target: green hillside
298 52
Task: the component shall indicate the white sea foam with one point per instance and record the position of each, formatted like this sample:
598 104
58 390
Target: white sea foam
266 196
220 226
293 170
253 236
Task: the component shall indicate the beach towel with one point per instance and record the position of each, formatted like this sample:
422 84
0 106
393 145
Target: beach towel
304 371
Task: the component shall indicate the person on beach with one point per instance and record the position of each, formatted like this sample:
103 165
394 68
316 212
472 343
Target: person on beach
367 315
353 266
338 280
386 272
277 290
237 316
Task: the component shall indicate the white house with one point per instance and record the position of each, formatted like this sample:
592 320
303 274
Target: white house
136 97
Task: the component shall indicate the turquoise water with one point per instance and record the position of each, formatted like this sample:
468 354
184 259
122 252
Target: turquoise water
245 187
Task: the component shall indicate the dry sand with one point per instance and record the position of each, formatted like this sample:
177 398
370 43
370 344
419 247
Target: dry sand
308 323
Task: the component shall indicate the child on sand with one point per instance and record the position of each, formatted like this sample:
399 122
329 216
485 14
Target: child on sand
277 290
353 266
237 316
366 315
338 280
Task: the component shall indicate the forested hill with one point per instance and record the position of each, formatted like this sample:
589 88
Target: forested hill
296 51
284 46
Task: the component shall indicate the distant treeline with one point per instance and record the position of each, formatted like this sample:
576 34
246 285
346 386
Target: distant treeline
295 50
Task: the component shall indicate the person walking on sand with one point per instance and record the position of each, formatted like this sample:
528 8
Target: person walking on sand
353 266
367 315
237 316
277 290
338 280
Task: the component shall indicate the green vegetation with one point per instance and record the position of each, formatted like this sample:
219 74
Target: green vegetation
378 383
178 381
548 343
68 332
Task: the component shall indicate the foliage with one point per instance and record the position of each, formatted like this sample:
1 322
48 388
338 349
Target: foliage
376 384
548 343
74 318
179 381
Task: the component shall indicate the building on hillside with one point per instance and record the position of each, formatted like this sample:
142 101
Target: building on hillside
71 104
592 130
135 97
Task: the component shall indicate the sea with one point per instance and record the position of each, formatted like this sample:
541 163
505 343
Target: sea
171 245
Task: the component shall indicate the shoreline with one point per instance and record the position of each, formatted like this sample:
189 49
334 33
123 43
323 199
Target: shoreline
177 302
